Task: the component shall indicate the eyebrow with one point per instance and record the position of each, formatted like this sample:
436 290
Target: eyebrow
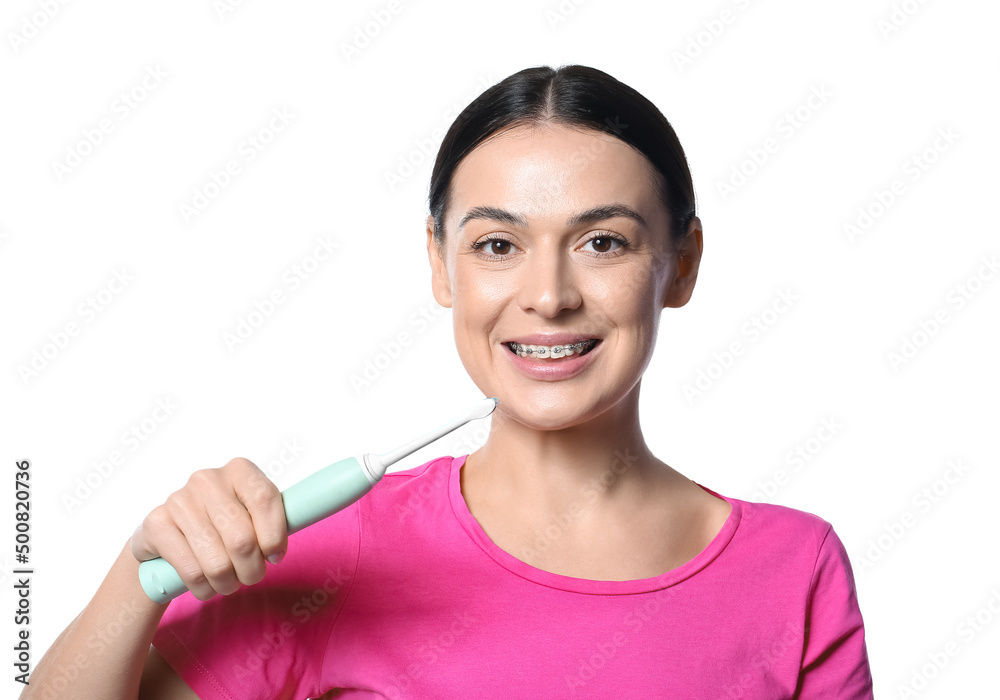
587 216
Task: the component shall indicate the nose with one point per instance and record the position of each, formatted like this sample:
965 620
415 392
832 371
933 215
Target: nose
548 284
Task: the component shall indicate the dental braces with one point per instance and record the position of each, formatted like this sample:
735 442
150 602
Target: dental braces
556 349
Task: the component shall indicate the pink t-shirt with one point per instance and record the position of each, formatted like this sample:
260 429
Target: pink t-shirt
403 595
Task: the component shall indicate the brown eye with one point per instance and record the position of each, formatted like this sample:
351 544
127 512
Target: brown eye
602 245
605 244
499 247
493 247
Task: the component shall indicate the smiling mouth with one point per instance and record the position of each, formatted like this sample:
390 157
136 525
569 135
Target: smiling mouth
554 352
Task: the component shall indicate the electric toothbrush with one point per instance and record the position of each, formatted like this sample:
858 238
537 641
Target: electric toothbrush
317 496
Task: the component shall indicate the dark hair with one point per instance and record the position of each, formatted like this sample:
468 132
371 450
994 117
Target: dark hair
577 96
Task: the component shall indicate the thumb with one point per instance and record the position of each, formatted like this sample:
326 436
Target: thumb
140 548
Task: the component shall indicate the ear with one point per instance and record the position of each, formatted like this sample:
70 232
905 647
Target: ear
440 282
686 259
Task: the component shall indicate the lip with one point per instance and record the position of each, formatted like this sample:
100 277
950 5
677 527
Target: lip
551 339
552 370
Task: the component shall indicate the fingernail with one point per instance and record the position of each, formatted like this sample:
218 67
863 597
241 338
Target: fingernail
275 558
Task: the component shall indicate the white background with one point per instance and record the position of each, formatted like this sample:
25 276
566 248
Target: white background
892 76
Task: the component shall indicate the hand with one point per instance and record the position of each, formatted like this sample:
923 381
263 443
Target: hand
218 529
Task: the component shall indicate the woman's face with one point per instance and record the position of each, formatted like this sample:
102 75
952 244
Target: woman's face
556 236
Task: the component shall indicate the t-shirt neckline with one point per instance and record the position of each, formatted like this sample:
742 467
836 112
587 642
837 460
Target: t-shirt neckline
580 585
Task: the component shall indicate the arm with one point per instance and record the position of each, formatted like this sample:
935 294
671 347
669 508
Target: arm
161 682
105 652
216 532
835 659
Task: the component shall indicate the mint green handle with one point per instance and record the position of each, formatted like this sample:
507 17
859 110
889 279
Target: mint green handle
317 496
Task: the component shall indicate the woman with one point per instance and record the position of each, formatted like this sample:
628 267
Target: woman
562 558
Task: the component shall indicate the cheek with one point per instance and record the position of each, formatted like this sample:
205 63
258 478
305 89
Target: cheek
626 293
481 294
481 290
477 302
629 300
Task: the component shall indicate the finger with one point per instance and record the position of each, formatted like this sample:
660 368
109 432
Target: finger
236 528
177 551
138 545
142 542
214 566
167 541
263 503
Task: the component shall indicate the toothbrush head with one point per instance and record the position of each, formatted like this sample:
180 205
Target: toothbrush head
480 409
483 408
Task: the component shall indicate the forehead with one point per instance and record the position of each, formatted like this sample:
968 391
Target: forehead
547 171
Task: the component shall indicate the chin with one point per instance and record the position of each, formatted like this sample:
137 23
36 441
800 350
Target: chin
555 411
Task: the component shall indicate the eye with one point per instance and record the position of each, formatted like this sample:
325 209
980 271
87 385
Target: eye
607 243
495 247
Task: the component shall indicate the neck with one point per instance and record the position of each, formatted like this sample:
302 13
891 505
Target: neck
594 465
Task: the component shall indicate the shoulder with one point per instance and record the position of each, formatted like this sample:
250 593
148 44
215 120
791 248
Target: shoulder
422 489
438 463
789 537
436 471
783 521
803 563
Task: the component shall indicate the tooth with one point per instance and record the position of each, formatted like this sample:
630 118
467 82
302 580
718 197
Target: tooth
554 352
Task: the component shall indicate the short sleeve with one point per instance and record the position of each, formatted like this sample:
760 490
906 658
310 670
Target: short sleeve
268 640
835 658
